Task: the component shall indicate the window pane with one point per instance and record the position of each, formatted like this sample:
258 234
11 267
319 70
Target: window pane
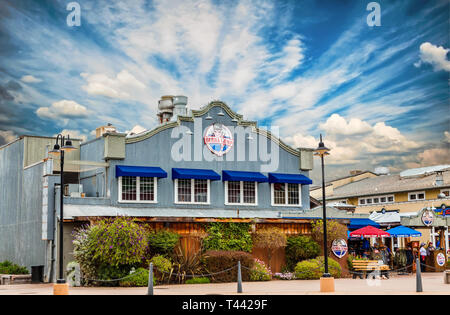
201 190
421 196
362 201
293 194
383 199
390 199
184 190
249 192
369 200
279 194
147 189
128 188
446 192
376 200
234 192
412 197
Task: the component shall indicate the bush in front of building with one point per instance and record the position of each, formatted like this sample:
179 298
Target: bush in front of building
162 268
198 280
335 230
226 236
217 261
299 248
9 268
162 242
139 278
260 272
109 248
312 269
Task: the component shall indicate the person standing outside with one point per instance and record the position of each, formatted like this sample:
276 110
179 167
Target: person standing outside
423 256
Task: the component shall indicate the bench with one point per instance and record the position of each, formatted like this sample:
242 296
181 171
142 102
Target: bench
364 267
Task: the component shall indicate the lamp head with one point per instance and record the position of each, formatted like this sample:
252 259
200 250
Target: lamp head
68 146
321 149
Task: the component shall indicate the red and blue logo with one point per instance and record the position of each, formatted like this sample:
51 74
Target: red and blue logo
339 248
219 139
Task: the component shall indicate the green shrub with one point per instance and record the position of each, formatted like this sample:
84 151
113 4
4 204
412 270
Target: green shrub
162 266
299 248
198 280
162 242
260 272
313 268
139 278
216 261
9 268
228 236
109 272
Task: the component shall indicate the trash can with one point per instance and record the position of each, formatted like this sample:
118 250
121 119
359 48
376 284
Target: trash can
37 274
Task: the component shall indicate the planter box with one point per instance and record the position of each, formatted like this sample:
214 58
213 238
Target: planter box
15 279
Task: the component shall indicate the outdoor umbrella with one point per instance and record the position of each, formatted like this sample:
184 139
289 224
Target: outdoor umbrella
369 231
403 231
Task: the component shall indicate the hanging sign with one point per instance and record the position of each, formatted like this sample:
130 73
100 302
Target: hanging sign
339 248
443 210
440 259
219 139
427 217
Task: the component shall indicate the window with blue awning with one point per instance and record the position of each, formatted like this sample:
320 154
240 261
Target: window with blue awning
244 176
140 171
289 178
193 173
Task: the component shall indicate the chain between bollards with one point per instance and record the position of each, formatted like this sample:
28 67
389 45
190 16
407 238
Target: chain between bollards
239 278
150 280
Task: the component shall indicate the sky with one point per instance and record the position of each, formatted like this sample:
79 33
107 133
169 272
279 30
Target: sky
379 95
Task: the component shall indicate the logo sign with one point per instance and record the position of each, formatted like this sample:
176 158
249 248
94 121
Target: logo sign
443 210
427 217
339 248
219 139
440 259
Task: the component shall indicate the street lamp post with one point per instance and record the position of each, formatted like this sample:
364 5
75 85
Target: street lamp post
326 282
66 145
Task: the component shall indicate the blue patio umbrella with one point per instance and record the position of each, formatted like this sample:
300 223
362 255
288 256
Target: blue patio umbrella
403 231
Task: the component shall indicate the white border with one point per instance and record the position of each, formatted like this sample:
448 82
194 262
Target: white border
376 203
138 191
241 191
272 195
416 193
192 193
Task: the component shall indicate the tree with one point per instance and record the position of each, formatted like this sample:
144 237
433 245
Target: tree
335 230
269 239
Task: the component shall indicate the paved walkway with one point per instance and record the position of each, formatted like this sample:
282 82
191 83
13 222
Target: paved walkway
433 283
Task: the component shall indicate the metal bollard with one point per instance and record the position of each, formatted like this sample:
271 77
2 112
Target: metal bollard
418 277
239 278
150 280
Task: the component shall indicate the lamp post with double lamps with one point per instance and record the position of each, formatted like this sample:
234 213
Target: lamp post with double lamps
326 281
61 287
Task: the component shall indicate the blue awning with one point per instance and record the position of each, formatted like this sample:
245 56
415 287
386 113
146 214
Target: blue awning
186 173
289 178
142 171
243 176
403 231
360 223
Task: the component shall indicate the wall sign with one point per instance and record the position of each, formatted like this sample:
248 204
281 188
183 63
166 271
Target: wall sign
219 139
427 217
339 248
440 259
443 210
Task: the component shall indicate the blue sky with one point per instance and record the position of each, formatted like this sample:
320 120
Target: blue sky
379 95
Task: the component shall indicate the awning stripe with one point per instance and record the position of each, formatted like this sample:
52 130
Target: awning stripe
289 178
141 171
243 176
192 173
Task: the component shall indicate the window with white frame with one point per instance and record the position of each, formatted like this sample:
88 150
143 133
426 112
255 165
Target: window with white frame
418 195
240 192
446 192
137 189
375 200
286 194
190 191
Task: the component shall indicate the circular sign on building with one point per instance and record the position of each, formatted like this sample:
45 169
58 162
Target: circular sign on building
219 139
427 217
339 248
440 259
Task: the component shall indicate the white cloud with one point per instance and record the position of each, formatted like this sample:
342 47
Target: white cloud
119 87
30 79
337 124
6 136
435 56
74 134
63 109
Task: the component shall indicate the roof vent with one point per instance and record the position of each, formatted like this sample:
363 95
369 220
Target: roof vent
382 170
